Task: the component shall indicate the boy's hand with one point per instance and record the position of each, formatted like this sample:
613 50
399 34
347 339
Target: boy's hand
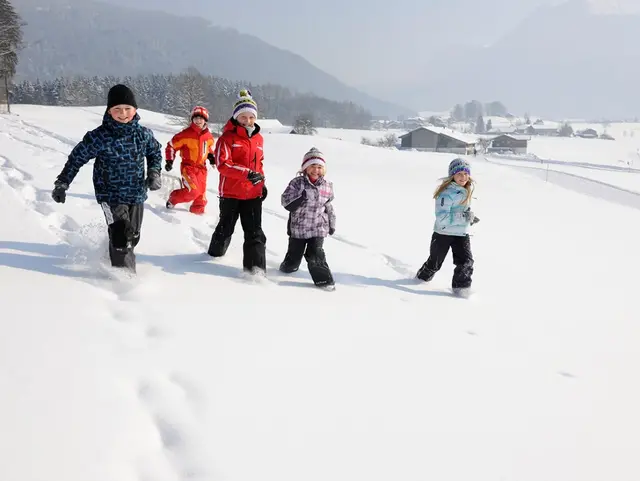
212 159
255 177
168 165
154 181
59 193
264 192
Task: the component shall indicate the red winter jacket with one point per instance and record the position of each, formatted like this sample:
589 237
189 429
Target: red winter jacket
236 155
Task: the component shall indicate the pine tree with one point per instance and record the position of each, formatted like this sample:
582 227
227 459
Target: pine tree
10 44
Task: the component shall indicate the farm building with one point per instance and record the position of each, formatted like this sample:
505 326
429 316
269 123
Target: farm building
438 139
506 143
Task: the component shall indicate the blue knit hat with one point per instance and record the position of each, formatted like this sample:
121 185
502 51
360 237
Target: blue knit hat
245 104
459 165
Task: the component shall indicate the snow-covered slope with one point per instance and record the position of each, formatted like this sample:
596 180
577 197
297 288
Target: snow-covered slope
189 372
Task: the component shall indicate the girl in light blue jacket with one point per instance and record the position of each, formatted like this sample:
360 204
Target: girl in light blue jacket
451 228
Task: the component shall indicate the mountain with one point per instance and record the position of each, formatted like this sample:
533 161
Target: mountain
68 37
563 61
369 44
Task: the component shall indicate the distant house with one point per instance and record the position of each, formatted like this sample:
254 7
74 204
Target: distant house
413 123
587 134
438 139
548 130
506 143
607 136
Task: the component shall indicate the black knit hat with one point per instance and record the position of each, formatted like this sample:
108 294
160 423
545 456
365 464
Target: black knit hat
121 95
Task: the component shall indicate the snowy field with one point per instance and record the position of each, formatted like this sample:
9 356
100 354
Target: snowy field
615 163
190 372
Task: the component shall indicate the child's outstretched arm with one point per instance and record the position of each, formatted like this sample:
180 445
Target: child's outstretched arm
294 195
82 153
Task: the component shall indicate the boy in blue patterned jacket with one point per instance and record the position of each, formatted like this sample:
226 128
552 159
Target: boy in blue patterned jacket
120 146
453 219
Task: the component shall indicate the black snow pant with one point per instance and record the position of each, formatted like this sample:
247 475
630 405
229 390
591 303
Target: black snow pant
250 214
462 259
313 252
124 223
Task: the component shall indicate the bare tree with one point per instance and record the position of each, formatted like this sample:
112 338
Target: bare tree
10 44
188 91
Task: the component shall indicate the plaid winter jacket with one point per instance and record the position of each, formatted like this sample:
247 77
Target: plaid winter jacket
311 212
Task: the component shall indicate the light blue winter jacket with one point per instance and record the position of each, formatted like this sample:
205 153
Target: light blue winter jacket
450 207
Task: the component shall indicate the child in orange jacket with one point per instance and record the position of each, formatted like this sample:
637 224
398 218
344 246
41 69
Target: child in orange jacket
195 144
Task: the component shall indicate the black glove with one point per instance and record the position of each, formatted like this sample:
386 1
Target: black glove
255 177
154 181
59 193
297 203
264 192
332 230
212 160
475 220
168 166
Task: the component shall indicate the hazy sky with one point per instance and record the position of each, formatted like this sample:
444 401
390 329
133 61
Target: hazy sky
351 39
398 50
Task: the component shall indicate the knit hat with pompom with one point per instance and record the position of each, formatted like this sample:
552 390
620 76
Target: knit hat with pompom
313 157
245 104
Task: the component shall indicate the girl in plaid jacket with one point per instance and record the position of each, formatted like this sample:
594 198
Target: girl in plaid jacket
308 199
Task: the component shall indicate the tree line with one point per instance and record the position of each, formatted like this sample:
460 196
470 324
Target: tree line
176 94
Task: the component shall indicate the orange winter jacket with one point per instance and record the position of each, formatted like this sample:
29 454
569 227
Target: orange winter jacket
194 146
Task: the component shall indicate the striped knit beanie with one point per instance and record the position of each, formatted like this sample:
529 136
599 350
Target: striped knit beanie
459 165
245 104
313 157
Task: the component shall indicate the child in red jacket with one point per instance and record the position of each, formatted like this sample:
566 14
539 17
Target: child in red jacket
239 157
196 146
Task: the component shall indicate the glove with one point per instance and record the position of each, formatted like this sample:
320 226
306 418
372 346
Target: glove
292 206
255 177
59 193
154 181
168 166
332 230
264 192
469 215
211 159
